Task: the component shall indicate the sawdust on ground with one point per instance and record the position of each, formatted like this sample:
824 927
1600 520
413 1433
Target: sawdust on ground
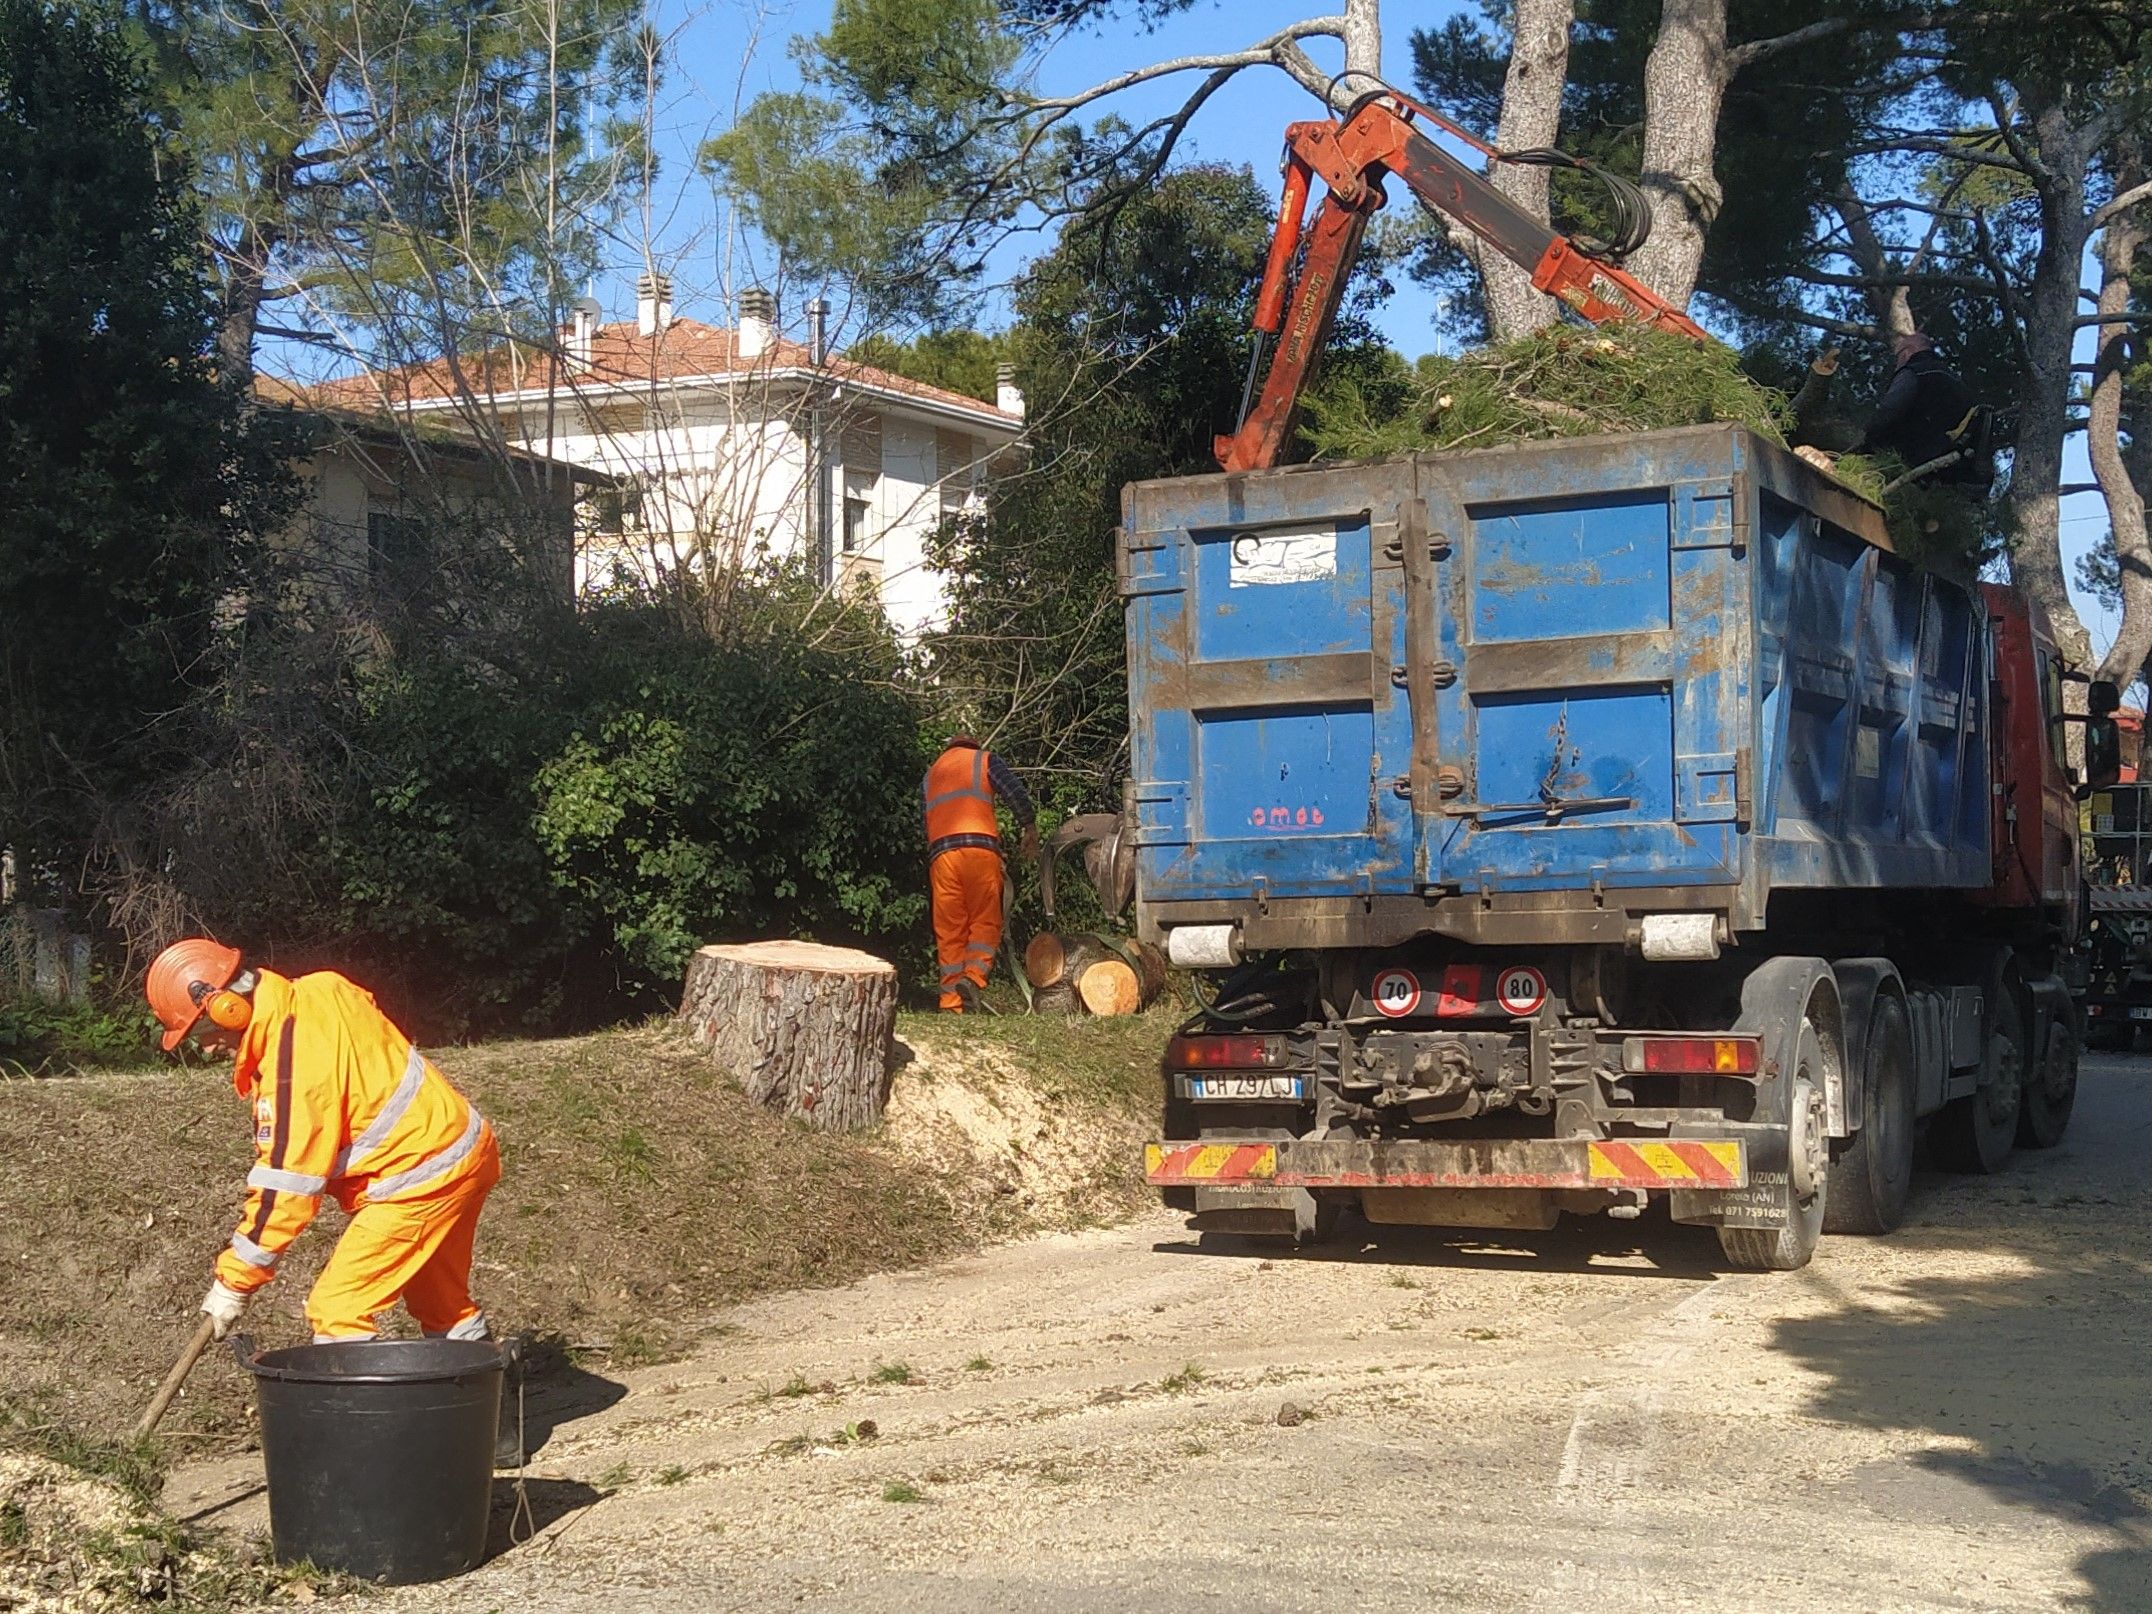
1950 1419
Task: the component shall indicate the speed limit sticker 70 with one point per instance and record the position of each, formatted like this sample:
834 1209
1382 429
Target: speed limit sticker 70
1397 993
1520 989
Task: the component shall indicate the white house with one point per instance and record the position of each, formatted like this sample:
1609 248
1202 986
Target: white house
370 486
709 438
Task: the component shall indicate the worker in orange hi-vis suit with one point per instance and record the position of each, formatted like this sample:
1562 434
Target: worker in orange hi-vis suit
343 1105
964 861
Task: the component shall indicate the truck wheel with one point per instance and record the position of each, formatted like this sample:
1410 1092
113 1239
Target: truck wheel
2051 1090
1872 1177
1787 1247
1975 1133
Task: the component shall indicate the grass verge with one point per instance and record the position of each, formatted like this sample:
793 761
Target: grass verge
641 1192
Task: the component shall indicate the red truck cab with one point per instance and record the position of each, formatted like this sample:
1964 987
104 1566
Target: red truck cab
2035 837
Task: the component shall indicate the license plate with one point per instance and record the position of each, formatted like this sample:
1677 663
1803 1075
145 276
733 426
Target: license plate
2141 1014
1244 1087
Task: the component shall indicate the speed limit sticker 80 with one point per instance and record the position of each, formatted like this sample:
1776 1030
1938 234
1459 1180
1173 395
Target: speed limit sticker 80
1520 989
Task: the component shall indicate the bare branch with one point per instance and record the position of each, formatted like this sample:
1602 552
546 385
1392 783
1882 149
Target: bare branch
1264 52
2006 125
1951 146
1796 315
1757 50
2121 203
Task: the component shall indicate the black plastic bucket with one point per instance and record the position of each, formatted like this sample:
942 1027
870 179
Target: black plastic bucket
380 1452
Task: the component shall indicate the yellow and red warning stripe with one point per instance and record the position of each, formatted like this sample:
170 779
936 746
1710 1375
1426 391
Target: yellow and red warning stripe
1210 1162
1681 1164
1517 1163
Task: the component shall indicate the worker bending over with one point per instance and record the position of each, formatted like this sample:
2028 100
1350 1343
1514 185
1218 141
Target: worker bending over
964 861
343 1105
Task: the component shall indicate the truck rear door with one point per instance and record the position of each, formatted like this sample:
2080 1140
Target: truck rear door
1273 733
1580 664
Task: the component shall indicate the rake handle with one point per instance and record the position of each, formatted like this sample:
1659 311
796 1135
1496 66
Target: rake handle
203 1337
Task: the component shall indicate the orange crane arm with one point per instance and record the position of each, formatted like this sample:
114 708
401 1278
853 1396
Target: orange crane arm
1377 139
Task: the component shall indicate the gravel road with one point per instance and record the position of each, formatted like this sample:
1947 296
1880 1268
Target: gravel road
1952 1418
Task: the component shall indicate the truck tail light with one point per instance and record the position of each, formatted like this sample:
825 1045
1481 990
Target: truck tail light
1693 1056
1209 1052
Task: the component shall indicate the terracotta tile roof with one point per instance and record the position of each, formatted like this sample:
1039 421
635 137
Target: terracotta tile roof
370 421
686 350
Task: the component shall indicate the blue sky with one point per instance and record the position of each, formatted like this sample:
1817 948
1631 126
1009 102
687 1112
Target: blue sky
727 51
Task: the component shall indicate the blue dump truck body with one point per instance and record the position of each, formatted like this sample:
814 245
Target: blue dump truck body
1675 662
1511 750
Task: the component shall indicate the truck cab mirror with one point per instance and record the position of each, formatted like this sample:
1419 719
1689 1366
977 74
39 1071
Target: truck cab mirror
2102 697
2103 750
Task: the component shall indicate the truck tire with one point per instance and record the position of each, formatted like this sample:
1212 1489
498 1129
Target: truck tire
1873 1175
2051 1090
1975 1133
1787 1247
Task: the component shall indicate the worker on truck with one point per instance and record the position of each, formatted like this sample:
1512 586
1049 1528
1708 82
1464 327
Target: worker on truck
1928 414
343 1105
964 873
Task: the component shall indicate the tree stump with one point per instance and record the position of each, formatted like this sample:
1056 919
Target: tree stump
802 1028
1123 985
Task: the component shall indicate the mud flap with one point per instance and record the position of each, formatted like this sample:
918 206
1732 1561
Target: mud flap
1774 1002
1766 1202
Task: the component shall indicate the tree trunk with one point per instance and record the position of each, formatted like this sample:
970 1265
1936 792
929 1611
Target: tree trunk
1684 83
2119 246
236 331
1363 42
1057 960
2033 516
1531 116
1891 307
803 1028
1118 985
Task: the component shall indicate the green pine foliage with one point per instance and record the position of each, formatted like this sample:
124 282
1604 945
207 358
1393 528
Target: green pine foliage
1563 381
401 176
957 360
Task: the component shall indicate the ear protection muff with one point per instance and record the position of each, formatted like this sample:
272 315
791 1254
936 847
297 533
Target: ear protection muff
223 1008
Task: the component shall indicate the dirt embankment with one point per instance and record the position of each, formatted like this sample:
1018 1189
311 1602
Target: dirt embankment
640 1192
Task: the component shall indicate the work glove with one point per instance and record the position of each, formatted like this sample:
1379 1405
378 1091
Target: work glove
223 1307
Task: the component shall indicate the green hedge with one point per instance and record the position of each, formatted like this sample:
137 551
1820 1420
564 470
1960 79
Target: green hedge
543 844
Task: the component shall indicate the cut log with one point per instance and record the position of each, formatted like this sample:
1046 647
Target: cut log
1121 985
1058 960
1059 999
803 1028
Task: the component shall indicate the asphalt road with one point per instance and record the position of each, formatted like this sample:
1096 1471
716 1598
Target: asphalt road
1602 1418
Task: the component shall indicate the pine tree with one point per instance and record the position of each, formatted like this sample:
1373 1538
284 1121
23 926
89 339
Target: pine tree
129 482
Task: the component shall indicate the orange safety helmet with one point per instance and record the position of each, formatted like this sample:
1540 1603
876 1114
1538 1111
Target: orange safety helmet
187 977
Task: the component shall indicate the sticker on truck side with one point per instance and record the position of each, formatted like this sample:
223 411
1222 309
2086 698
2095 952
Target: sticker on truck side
1520 989
1262 558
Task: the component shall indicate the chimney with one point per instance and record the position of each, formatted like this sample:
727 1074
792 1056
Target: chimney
653 303
818 332
758 323
583 316
1008 396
